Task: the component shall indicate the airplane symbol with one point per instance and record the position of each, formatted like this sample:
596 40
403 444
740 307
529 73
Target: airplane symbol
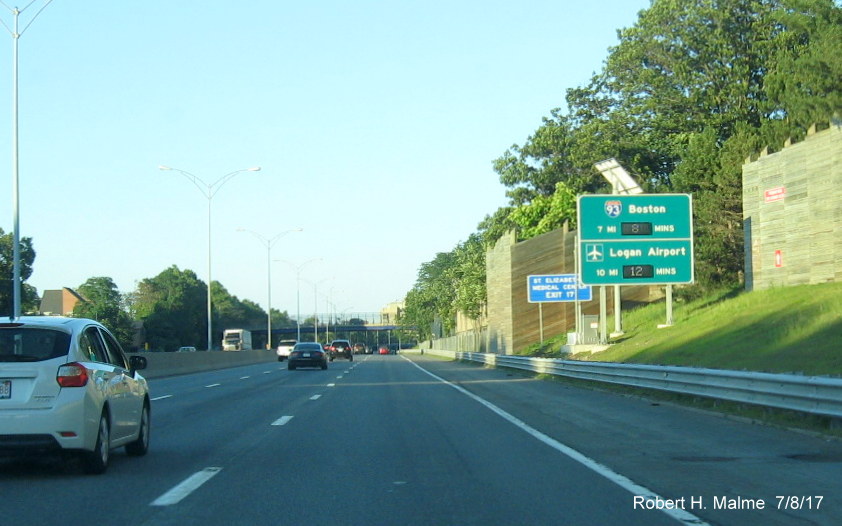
594 252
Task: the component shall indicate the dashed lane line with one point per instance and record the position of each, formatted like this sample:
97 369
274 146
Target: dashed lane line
185 488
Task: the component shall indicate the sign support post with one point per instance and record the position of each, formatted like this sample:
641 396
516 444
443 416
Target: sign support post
669 306
603 316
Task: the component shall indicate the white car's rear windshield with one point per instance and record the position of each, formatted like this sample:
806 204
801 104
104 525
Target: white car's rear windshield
19 344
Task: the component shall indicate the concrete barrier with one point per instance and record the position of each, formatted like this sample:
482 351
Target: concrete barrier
161 364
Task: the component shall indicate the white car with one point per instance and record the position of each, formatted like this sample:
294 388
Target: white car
67 386
284 348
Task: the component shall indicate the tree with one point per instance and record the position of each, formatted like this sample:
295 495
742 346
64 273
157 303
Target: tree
469 273
281 319
546 159
546 213
172 306
29 296
231 312
432 297
805 72
105 304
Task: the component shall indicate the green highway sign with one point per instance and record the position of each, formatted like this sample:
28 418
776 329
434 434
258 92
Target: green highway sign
635 239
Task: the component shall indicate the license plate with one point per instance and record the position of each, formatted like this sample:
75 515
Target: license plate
5 389
305 355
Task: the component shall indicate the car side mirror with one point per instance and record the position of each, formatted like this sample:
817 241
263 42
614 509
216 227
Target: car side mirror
137 362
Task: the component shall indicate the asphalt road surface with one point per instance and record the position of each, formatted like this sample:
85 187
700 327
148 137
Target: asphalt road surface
415 440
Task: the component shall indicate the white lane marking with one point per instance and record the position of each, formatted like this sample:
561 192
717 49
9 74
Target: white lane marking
161 397
245 377
282 421
267 372
339 377
621 480
213 385
188 486
331 385
315 397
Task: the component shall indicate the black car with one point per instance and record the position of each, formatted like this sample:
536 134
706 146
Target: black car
341 349
307 354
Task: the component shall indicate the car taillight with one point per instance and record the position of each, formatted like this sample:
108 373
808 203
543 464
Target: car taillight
72 375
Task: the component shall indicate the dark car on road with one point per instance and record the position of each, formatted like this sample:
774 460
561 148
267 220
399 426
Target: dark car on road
341 349
307 354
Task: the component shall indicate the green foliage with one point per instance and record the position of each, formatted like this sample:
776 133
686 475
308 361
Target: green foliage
431 300
534 169
281 319
172 306
231 312
28 296
546 213
494 226
105 304
453 282
469 274
804 78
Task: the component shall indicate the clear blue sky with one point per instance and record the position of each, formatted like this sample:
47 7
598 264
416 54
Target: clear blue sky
375 124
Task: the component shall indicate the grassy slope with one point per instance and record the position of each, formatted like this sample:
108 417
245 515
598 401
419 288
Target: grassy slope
791 329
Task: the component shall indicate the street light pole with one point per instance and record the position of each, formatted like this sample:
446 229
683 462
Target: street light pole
316 307
298 291
269 243
16 281
209 190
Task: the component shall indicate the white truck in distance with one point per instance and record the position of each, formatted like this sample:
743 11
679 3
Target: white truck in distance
236 340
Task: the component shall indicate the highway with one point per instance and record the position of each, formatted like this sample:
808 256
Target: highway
415 440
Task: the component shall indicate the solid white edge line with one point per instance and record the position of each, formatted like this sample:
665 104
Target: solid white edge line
282 421
186 487
621 480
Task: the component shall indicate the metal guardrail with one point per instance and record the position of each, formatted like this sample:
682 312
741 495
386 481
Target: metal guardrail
809 394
